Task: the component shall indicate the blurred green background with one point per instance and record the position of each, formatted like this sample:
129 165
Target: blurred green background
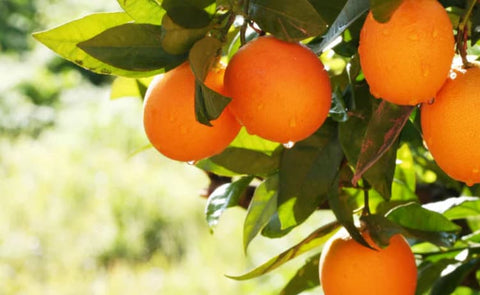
80 212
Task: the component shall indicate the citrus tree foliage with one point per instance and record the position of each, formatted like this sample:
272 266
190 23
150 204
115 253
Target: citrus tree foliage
367 163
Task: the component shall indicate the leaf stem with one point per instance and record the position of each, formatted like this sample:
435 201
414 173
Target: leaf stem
366 205
461 39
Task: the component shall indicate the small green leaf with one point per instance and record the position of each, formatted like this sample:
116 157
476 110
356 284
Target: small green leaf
306 174
305 278
382 10
290 20
424 224
254 142
382 132
64 39
209 104
210 166
314 240
245 161
381 229
225 196
143 11
260 210
134 47
352 10
129 87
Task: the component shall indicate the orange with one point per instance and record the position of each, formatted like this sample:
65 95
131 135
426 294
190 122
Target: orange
451 126
280 90
406 60
346 267
169 116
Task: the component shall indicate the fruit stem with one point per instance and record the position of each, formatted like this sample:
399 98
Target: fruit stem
366 206
462 35
243 29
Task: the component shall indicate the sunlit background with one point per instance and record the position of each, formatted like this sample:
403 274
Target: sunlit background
80 211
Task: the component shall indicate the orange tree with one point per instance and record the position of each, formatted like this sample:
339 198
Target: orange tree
367 161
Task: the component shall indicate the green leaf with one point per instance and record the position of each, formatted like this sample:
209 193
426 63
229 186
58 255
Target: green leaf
225 196
171 4
254 142
447 283
245 161
306 174
129 87
290 20
314 240
338 200
64 39
305 278
133 47
273 229
177 39
189 17
143 11
210 166
428 273
329 10
457 207
382 10
352 134
352 10
424 224
209 104
382 132
260 210
381 229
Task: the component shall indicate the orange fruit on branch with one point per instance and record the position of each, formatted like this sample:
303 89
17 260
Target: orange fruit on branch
280 90
169 116
346 267
451 126
407 59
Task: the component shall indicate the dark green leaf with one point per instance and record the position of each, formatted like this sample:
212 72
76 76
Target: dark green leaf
381 229
424 224
447 283
203 55
273 229
338 200
290 20
314 240
352 134
143 11
209 104
382 10
260 210
134 47
225 196
189 17
305 278
64 39
306 174
171 4
338 110
428 273
245 161
382 132
329 10
177 39
352 10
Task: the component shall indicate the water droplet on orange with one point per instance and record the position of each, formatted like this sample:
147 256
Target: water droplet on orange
289 145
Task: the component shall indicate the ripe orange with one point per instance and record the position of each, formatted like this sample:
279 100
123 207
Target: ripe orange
169 116
451 126
346 267
280 90
407 60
